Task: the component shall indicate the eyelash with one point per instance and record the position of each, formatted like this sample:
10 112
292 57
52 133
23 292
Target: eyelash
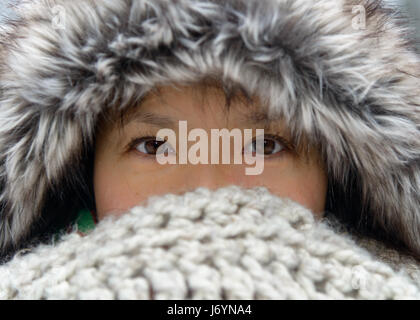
287 146
134 142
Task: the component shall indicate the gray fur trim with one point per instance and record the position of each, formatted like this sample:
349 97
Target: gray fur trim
355 93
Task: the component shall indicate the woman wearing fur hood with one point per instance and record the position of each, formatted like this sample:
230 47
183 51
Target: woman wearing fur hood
85 86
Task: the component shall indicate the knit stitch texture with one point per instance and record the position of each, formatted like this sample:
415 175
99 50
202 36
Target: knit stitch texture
230 243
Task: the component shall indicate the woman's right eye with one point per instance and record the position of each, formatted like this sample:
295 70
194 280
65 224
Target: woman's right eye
154 146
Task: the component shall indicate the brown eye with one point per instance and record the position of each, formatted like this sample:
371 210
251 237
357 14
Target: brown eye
151 145
271 145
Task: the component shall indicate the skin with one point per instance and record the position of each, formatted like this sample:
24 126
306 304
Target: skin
125 177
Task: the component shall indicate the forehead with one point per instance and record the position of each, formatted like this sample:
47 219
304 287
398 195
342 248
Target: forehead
198 102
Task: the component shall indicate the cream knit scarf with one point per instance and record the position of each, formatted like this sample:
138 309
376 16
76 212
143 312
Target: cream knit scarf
230 243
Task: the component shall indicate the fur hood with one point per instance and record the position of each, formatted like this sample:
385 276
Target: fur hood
354 92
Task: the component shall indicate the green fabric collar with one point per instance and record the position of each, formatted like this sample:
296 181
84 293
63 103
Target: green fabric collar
85 221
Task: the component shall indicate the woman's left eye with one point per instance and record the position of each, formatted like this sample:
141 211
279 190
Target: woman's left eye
269 145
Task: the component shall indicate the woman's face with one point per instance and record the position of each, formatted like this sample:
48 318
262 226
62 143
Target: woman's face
127 171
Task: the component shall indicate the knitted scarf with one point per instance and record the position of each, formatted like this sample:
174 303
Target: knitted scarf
231 243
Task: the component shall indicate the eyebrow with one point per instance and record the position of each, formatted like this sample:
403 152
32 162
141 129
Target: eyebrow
152 119
162 121
261 118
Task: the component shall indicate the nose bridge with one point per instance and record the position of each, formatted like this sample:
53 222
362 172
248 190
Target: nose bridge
211 176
